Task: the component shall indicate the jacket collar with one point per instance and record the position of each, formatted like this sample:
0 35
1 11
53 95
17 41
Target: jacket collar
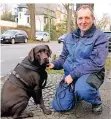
87 34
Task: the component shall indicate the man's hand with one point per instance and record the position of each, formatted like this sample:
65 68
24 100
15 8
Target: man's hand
68 79
50 66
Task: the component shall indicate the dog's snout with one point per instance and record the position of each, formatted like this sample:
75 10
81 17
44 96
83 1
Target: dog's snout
46 59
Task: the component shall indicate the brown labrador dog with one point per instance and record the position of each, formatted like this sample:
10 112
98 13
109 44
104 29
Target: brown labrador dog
26 80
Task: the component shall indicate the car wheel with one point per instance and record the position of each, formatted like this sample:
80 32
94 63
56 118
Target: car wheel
13 41
59 41
2 42
48 41
25 40
42 40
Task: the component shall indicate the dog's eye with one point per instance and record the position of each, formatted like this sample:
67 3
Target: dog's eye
40 51
46 51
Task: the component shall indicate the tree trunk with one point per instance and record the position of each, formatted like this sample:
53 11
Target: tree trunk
68 8
31 8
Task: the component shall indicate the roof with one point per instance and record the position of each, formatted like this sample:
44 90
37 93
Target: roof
22 6
42 9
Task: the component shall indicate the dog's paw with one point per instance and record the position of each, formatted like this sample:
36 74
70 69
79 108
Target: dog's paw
30 114
47 111
26 114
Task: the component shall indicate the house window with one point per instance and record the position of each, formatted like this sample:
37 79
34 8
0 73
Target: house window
27 19
16 19
20 15
20 9
51 21
45 20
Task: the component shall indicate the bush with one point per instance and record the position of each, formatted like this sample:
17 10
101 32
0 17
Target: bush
22 26
7 16
108 64
53 32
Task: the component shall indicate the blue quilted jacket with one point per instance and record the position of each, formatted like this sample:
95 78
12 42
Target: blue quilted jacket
83 54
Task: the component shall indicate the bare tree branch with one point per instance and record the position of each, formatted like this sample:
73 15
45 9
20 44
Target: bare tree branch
102 24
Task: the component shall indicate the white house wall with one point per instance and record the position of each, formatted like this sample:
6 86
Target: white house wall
22 19
39 20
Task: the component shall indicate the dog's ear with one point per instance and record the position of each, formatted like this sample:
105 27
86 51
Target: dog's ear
49 50
31 55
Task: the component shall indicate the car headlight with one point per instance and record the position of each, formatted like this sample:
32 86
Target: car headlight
1 39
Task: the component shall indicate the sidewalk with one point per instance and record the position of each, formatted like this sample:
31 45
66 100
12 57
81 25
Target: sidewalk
82 112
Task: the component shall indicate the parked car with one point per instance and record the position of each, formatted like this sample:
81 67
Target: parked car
108 34
42 36
61 38
13 36
0 37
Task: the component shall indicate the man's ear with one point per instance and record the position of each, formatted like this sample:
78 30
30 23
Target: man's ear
31 55
93 18
49 50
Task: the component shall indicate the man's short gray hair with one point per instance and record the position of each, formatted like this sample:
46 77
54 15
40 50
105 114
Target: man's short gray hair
85 7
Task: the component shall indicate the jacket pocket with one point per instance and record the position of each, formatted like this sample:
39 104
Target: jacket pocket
88 43
86 48
71 47
96 79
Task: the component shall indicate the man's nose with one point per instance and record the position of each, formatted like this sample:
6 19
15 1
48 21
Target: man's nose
83 20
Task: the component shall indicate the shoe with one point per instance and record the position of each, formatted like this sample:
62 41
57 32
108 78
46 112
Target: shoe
97 108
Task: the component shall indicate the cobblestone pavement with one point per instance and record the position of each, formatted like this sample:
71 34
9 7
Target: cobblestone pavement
82 112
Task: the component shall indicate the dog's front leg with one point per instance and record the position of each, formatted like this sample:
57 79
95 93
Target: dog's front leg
45 110
38 99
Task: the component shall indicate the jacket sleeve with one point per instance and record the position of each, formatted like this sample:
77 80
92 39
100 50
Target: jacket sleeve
96 61
58 64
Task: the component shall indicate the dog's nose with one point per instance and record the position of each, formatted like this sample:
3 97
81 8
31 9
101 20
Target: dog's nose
45 59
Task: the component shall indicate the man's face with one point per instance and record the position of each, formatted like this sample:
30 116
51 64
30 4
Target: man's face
84 19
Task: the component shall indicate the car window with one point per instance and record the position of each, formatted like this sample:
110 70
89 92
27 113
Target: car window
42 33
24 32
12 32
20 32
45 34
39 33
108 33
63 36
17 33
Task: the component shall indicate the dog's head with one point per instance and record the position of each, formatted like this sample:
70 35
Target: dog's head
41 54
